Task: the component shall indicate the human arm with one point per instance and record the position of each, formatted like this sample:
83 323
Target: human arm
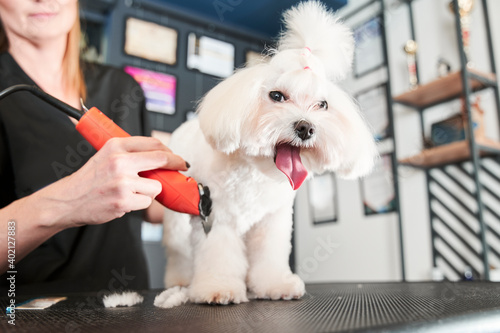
105 188
154 213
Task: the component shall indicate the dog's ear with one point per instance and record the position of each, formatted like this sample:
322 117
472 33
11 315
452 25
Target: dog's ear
224 109
311 25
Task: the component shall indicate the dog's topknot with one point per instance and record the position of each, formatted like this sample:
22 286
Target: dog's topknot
311 25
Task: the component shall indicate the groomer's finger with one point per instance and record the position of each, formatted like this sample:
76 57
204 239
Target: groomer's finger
136 144
175 162
140 201
148 187
149 160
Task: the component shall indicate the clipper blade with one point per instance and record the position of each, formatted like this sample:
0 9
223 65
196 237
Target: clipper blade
205 207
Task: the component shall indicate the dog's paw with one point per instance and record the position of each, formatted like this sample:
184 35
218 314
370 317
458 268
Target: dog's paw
225 291
171 297
289 286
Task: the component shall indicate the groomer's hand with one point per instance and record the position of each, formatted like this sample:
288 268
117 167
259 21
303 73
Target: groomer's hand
108 185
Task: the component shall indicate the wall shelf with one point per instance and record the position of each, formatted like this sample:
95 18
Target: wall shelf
444 89
454 152
459 84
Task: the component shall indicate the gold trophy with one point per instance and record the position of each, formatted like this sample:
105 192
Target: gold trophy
411 50
464 9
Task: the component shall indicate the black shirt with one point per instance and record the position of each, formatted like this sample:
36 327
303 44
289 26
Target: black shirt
39 145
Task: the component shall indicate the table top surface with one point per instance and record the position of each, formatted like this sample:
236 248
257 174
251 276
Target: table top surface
337 307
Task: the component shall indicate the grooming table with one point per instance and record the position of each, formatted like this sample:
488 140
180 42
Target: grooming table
338 307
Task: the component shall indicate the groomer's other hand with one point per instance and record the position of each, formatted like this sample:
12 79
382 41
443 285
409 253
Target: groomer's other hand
108 185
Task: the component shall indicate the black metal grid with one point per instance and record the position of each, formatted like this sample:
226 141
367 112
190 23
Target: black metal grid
456 258
367 307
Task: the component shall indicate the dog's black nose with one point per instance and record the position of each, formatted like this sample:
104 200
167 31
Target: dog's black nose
304 129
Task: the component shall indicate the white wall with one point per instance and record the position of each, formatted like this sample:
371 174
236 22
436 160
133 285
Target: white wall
366 248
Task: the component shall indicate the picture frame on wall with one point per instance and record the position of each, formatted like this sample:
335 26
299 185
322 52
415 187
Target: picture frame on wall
369 47
377 188
150 41
373 103
210 56
322 193
160 89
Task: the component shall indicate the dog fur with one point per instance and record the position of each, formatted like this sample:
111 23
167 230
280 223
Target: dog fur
232 146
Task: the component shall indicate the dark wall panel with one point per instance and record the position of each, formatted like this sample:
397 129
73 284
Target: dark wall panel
191 85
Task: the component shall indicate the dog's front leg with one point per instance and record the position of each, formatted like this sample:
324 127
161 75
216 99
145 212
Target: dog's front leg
268 247
220 266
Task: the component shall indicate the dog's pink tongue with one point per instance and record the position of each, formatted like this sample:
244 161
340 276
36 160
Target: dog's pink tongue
289 162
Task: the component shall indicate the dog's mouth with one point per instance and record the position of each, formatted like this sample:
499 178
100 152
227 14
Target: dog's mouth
288 161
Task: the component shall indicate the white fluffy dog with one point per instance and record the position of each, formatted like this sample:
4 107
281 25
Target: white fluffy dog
259 131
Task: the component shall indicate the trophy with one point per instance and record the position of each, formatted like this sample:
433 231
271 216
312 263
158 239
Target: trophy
464 9
411 50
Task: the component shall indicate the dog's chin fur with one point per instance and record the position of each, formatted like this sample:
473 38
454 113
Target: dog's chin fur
232 146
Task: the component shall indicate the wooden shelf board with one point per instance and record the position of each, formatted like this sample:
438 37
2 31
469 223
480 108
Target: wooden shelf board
442 89
451 153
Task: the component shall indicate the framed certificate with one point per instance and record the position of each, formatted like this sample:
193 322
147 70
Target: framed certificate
373 104
377 188
159 89
210 56
150 41
369 48
323 198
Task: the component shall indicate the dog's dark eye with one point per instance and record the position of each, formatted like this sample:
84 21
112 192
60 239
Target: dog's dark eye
277 96
323 105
